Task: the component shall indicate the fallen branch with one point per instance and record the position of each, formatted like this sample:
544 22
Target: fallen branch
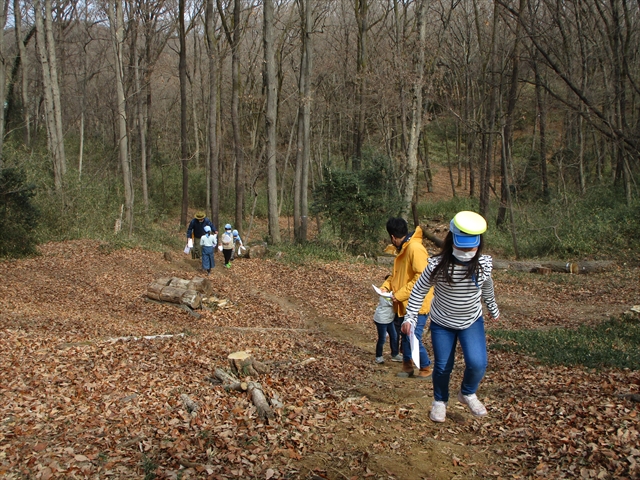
260 401
128 443
190 405
266 329
304 362
229 382
147 337
253 388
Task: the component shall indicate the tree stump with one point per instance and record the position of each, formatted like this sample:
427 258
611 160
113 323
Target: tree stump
243 364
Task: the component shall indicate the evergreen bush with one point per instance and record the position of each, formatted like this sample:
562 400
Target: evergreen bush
18 215
357 204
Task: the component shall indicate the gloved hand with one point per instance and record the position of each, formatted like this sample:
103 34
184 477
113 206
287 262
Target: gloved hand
220 247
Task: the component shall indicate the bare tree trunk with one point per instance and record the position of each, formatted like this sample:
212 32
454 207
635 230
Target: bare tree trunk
361 12
491 88
304 125
449 166
142 132
235 115
212 159
55 88
508 128
3 72
271 84
50 117
184 150
416 110
24 60
308 27
116 25
194 101
542 121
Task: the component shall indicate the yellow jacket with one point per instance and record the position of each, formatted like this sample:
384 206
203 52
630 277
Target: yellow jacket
407 267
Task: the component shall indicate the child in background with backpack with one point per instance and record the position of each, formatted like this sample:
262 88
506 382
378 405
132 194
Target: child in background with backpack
226 245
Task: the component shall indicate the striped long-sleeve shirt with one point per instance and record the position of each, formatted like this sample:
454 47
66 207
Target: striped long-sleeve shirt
456 305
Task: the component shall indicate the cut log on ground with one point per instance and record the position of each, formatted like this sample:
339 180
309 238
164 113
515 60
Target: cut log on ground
242 364
254 389
201 285
179 283
260 401
179 291
229 382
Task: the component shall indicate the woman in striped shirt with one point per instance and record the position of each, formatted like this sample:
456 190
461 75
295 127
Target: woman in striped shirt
461 277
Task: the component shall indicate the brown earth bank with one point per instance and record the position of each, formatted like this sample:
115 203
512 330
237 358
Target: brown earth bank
81 401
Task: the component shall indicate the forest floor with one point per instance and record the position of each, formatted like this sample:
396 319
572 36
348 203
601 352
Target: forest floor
81 401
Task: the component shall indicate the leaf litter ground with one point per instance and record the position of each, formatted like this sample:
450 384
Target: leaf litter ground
81 401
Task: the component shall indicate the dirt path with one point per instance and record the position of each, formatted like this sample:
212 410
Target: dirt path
362 447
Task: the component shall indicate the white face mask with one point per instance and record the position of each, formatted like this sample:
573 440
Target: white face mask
464 256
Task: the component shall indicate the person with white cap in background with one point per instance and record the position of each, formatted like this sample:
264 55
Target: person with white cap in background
461 277
238 246
208 243
226 245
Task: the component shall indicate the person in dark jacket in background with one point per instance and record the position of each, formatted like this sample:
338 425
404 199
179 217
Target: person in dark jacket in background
196 230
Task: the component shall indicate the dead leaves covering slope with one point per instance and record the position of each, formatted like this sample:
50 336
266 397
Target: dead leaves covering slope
77 404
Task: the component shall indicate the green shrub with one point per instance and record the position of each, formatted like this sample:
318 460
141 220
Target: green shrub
357 204
18 214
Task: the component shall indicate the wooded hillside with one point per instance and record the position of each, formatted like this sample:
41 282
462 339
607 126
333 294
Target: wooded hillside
201 104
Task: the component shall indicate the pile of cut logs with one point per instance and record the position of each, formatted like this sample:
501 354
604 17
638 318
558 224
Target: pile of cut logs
179 290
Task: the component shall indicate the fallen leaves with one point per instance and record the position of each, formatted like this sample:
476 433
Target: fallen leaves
77 405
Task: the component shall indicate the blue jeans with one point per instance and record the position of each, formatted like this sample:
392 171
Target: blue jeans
406 344
383 329
474 349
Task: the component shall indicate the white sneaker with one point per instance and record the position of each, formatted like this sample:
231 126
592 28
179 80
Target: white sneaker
397 358
379 359
475 405
438 411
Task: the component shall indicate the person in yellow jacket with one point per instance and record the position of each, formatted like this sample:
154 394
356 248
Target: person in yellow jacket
410 261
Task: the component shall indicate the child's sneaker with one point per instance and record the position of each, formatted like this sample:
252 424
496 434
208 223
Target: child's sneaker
438 411
228 265
397 358
475 405
379 359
